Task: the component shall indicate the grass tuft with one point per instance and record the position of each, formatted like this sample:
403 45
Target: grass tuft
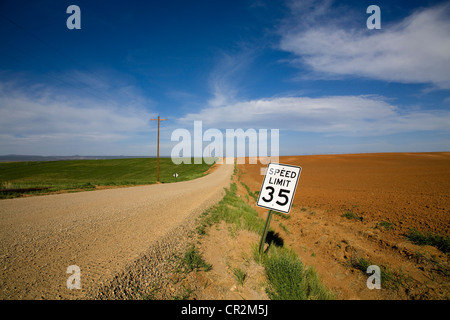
436 240
240 275
390 279
351 216
289 279
386 225
251 194
232 210
194 261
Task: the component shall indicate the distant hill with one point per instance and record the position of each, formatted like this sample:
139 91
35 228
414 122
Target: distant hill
17 157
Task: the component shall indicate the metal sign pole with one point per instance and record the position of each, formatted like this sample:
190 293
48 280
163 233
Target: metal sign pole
266 229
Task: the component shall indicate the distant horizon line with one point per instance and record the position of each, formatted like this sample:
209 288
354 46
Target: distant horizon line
25 157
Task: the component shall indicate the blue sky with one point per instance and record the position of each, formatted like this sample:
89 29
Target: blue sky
311 69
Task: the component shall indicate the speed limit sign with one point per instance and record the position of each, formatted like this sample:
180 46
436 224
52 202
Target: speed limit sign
278 189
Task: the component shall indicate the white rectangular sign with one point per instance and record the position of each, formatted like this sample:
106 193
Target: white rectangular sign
278 188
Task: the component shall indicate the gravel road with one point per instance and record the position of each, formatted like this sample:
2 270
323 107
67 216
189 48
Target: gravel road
102 232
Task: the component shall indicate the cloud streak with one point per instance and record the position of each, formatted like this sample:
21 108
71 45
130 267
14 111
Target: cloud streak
46 116
334 115
414 50
225 80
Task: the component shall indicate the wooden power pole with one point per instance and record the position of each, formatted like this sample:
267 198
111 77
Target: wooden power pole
157 159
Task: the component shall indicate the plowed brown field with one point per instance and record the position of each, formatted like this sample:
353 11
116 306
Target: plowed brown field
386 194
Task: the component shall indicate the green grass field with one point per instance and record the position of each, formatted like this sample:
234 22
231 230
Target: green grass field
37 177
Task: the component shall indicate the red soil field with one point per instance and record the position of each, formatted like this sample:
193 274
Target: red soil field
387 195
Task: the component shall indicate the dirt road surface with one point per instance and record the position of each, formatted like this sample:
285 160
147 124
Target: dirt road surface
98 231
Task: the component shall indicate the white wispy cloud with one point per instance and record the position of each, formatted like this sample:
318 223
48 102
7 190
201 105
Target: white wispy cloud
45 117
225 80
322 37
413 50
334 115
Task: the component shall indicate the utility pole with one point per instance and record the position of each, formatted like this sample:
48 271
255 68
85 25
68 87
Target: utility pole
157 160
